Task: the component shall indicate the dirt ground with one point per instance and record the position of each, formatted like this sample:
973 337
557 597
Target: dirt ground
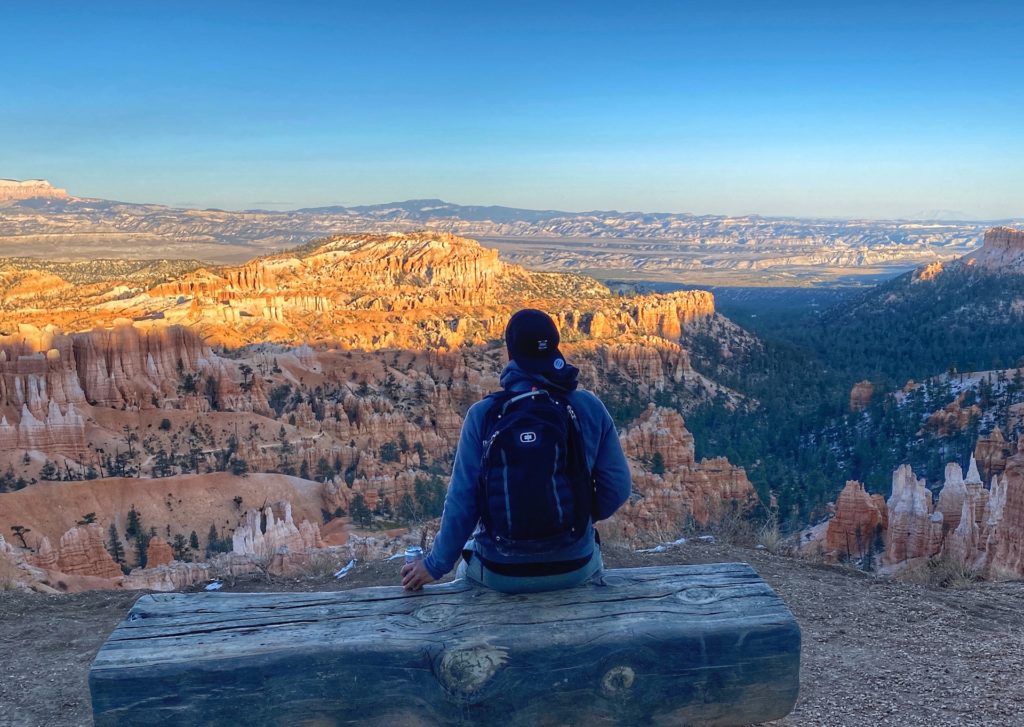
875 652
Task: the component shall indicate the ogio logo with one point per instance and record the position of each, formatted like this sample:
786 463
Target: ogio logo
528 437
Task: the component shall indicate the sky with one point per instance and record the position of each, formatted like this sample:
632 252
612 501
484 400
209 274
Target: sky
860 109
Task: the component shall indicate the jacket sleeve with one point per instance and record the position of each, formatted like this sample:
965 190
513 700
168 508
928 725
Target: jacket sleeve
460 516
612 480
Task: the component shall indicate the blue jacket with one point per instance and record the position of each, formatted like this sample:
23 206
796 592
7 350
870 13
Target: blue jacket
604 456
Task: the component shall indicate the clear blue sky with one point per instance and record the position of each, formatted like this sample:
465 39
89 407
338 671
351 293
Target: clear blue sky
809 108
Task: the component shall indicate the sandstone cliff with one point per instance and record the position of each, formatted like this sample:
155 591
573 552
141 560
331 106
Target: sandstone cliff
413 290
1002 251
14 190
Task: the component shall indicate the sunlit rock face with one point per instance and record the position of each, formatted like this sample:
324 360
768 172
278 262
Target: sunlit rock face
351 395
1002 251
403 290
13 190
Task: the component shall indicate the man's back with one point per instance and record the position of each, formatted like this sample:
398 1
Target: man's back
536 364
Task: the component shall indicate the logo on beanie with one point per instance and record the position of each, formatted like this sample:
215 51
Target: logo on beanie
542 344
559 364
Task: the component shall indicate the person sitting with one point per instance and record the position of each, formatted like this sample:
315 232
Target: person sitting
536 465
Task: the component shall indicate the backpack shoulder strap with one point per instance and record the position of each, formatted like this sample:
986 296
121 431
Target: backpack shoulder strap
497 401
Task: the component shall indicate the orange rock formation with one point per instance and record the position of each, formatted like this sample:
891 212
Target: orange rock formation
991 453
82 552
417 290
859 519
158 552
914 530
669 487
860 395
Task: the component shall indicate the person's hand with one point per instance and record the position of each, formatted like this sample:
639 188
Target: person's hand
415 575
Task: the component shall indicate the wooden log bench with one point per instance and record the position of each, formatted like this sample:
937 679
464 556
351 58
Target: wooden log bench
671 645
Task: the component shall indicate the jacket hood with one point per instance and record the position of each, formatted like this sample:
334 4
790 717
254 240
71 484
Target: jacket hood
515 378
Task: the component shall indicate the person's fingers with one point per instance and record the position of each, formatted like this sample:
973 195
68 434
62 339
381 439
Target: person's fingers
406 568
411 583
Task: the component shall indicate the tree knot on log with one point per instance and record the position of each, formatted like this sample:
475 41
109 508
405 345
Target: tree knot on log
617 681
698 596
465 671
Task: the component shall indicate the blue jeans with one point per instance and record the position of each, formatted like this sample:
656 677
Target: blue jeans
476 572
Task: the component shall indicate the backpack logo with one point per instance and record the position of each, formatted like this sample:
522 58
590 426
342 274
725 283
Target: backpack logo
528 437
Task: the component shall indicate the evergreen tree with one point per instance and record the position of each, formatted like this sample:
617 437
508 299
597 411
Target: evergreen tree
179 546
658 464
211 541
359 511
114 546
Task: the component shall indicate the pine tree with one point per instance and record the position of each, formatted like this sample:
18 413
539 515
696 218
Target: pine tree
193 541
658 464
359 510
49 471
114 546
134 526
179 546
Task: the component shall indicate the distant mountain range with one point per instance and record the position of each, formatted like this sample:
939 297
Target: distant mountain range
668 247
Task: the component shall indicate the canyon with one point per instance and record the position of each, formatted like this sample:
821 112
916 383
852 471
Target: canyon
306 406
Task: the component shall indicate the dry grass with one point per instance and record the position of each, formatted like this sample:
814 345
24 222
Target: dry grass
941 571
769 537
323 564
1003 575
733 526
9 575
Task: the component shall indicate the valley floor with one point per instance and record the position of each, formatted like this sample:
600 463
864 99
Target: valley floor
874 652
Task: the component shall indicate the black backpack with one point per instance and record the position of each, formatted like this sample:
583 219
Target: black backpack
535 491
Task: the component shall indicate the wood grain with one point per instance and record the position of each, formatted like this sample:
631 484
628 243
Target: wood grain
704 644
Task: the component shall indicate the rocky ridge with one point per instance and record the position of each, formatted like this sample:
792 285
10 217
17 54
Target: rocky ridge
1002 251
12 190
646 245
417 290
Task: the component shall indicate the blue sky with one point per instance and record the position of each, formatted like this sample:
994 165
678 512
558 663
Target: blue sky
787 108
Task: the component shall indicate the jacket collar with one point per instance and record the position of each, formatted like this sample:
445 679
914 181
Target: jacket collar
514 378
